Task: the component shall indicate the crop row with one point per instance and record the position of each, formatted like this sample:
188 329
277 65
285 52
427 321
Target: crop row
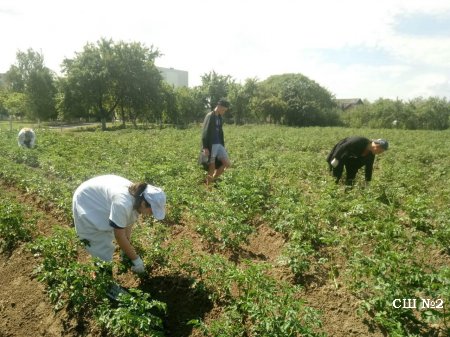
384 235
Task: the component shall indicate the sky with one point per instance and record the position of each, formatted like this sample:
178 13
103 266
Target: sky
368 49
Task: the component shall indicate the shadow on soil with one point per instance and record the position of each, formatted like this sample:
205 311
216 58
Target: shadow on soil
183 302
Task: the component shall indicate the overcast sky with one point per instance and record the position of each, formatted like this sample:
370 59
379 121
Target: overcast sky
354 48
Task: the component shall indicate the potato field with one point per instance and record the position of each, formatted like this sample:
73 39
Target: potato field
274 249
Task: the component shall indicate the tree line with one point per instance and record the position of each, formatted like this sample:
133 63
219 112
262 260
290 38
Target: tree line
110 80
432 113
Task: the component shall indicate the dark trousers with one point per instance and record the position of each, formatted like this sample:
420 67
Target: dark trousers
352 165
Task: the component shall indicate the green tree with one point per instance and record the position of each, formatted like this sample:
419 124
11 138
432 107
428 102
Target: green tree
68 101
358 116
170 107
433 113
273 109
108 75
383 113
241 97
30 77
139 83
419 113
215 87
190 103
3 95
13 103
307 102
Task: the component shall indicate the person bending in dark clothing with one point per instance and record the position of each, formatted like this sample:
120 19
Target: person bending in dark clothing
354 153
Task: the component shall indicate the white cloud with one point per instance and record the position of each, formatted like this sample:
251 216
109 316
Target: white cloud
243 38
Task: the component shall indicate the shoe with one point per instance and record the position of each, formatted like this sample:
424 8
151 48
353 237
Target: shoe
114 291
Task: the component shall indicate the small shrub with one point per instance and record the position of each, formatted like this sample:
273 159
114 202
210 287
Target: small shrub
136 315
13 227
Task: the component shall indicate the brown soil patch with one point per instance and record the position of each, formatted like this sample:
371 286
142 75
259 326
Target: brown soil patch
24 306
338 308
265 244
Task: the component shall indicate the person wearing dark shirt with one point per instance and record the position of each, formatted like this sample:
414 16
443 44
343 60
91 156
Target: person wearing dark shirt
354 153
213 141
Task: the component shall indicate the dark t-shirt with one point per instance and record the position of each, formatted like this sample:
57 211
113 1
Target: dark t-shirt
217 128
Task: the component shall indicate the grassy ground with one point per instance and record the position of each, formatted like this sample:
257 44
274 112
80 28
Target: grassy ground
275 224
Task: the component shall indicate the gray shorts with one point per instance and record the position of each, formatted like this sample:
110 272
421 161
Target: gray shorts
218 151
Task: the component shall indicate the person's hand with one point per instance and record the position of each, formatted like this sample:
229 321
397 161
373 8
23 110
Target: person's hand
334 162
206 152
138 266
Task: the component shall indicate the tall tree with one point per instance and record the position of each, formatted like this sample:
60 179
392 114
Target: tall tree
241 97
13 103
307 102
139 83
170 107
215 87
191 105
107 75
30 77
272 109
433 113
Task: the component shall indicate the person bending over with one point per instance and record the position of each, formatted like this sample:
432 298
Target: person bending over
105 208
354 153
26 138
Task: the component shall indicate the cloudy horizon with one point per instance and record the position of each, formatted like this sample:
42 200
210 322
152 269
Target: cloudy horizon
365 49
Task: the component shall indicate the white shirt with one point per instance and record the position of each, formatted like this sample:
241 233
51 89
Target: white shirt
104 198
26 134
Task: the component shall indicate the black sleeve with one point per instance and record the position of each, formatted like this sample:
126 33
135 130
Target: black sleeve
222 138
113 224
369 167
206 142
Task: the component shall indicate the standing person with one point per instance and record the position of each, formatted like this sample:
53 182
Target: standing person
354 153
213 141
105 208
26 138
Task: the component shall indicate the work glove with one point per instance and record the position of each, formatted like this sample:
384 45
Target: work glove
334 162
138 266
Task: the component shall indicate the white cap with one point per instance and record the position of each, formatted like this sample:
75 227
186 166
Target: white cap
157 200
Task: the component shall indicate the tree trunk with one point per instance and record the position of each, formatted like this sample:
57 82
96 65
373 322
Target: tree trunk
122 115
103 119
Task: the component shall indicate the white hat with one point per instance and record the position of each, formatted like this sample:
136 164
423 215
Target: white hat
157 200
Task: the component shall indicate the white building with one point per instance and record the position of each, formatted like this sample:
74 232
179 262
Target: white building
175 77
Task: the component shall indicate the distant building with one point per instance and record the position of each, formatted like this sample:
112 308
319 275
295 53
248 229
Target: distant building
175 77
348 103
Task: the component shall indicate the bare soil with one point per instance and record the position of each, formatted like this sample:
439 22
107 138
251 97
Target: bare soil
25 309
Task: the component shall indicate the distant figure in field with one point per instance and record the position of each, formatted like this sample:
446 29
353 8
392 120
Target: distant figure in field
27 138
354 153
213 141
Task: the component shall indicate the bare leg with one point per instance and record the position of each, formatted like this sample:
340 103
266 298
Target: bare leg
225 164
211 171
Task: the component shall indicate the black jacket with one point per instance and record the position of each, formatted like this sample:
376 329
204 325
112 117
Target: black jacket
349 152
208 133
